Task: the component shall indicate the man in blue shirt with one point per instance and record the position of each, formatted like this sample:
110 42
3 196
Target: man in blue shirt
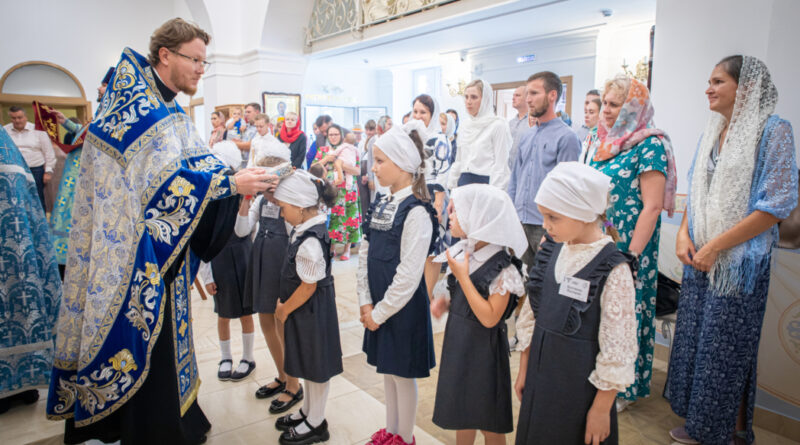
541 147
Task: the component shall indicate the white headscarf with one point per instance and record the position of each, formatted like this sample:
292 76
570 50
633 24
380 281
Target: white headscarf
270 147
398 146
298 189
451 126
433 128
473 126
228 153
576 191
720 203
486 213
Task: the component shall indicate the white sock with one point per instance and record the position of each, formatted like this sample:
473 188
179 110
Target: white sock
242 368
305 409
225 347
406 407
390 393
247 346
317 397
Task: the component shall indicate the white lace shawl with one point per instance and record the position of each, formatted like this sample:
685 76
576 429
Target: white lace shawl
721 204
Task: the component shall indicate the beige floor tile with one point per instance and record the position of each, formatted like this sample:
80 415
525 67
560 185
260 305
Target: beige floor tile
23 424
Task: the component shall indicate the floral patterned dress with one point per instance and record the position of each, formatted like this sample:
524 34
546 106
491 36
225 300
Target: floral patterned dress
625 206
345 216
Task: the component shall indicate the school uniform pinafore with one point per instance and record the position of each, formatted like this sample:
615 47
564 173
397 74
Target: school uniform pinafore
263 282
313 350
403 345
558 394
474 387
229 269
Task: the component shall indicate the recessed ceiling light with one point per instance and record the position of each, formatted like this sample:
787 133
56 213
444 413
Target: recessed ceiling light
606 12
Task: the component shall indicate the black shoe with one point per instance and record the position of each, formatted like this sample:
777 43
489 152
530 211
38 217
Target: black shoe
266 392
22 398
277 406
285 422
224 375
318 434
236 375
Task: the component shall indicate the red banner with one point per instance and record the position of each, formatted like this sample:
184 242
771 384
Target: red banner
45 120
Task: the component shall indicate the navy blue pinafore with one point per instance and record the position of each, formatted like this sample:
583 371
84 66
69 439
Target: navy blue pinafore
403 345
311 333
262 286
558 394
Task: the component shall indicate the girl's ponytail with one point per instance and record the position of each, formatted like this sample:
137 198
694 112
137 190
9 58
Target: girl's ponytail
419 187
609 228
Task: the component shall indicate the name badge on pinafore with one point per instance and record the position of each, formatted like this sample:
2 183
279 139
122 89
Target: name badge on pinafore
575 288
270 211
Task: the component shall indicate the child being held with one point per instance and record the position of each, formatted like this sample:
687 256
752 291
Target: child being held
346 156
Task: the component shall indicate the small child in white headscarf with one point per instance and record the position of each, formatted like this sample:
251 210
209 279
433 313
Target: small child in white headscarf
307 308
582 297
484 282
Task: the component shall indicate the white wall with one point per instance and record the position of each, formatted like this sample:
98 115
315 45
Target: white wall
74 34
618 44
687 46
570 55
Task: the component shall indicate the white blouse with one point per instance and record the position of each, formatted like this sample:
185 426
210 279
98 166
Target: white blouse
486 156
619 345
246 224
508 280
310 259
414 244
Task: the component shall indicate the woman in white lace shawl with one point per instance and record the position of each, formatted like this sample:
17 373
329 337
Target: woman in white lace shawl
742 183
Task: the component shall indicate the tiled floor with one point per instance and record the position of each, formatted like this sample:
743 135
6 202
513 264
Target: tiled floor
355 407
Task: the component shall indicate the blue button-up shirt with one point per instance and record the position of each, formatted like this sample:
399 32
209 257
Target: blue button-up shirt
540 149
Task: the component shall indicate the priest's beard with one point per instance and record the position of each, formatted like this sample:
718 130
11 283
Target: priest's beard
182 83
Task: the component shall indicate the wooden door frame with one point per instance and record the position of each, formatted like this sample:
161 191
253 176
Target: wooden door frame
567 80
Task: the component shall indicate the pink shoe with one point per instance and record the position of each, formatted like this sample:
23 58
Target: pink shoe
680 435
398 440
381 437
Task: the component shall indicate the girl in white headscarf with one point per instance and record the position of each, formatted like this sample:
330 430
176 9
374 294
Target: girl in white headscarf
484 141
425 120
743 182
307 307
393 299
484 283
583 317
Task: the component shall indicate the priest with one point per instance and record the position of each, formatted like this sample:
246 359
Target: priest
151 202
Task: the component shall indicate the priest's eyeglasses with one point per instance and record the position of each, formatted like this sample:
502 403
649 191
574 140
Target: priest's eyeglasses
194 60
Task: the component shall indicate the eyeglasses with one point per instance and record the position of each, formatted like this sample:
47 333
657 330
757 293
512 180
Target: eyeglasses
194 60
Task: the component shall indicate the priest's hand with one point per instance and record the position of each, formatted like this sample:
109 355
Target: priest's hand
253 180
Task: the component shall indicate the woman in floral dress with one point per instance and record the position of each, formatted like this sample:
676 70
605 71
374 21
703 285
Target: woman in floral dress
345 215
638 157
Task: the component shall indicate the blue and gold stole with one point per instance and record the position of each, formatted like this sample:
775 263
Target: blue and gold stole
146 177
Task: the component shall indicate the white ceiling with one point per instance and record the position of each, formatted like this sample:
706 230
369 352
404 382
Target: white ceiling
513 21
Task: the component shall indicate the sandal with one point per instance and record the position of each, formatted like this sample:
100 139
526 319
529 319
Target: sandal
266 392
344 258
285 422
225 375
278 406
318 434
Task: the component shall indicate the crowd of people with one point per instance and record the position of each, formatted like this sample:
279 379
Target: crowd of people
528 222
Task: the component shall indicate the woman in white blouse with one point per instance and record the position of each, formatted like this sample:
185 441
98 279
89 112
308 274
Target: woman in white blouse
484 141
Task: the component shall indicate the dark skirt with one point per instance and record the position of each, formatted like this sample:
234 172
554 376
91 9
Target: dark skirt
474 387
558 394
313 350
472 178
263 282
714 355
152 415
230 271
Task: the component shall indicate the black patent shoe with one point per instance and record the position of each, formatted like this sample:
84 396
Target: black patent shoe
285 422
236 375
278 406
318 434
265 392
224 375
